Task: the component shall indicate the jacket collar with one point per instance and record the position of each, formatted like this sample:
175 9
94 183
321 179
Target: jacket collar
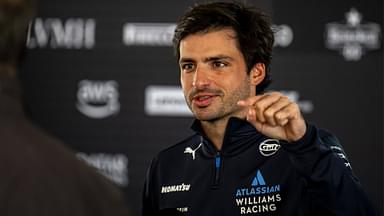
239 135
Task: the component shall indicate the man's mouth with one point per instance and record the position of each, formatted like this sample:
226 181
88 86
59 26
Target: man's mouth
203 100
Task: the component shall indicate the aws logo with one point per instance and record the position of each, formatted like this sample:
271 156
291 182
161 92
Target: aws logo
98 99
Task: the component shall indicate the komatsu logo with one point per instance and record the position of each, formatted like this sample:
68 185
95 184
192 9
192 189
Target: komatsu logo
175 188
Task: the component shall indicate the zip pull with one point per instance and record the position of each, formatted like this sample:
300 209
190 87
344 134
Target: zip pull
217 170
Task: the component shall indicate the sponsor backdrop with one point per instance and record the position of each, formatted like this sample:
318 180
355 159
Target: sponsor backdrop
101 76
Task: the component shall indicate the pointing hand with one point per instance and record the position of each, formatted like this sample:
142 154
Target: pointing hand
275 115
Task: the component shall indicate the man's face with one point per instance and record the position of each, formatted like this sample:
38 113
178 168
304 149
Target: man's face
213 74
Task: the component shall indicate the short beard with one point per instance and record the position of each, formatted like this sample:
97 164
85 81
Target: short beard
228 108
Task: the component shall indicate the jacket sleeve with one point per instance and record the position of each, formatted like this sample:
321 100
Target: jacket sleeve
332 186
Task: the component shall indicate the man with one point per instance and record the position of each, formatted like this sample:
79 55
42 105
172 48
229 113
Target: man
39 175
253 153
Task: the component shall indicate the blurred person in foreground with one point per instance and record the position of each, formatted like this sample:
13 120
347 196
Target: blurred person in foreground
39 176
252 152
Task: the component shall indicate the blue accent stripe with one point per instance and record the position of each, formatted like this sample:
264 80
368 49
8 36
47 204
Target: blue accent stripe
217 161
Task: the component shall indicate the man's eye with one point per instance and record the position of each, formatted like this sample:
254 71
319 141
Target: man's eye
187 67
219 64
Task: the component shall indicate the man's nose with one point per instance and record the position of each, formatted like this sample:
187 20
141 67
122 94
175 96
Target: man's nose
201 78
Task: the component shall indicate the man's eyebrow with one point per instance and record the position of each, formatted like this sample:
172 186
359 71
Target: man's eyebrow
216 58
208 59
182 60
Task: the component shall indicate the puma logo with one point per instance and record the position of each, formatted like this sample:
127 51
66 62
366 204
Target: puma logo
189 150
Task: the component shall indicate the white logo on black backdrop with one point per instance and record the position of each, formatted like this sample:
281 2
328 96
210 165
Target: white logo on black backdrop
161 34
269 147
353 39
165 101
170 101
73 33
98 99
306 106
283 35
112 166
148 34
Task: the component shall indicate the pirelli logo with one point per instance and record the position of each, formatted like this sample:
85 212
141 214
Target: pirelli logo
175 188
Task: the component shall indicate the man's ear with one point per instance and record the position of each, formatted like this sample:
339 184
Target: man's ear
257 73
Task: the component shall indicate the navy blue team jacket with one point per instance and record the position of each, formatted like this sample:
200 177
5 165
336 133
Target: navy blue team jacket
254 175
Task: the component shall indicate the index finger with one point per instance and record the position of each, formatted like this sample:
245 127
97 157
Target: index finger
251 100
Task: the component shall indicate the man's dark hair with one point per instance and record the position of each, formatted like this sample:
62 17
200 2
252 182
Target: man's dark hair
14 18
253 31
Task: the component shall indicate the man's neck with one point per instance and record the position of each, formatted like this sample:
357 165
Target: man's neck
215 130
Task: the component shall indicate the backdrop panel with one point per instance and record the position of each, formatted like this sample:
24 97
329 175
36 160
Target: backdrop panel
101 76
